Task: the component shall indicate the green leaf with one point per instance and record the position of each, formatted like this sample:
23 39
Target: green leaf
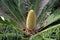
6 20
46 12
15 8
51 33
10 32
55 16
34 4
10 36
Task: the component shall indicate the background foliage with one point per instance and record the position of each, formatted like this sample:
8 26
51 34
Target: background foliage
13 14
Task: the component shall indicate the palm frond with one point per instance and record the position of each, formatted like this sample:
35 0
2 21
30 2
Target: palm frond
52 33
53 17
46 12
16 9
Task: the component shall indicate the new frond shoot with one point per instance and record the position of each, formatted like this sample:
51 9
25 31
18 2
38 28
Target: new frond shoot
31 22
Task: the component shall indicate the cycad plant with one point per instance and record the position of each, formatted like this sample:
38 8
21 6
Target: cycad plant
30 20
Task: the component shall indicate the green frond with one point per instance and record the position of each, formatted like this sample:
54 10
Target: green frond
46 12
34 4
52 33
55 16
15 8
10 32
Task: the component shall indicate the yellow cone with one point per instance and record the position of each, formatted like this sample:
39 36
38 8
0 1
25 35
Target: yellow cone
31 20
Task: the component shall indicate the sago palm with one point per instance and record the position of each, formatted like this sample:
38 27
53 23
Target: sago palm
30 20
